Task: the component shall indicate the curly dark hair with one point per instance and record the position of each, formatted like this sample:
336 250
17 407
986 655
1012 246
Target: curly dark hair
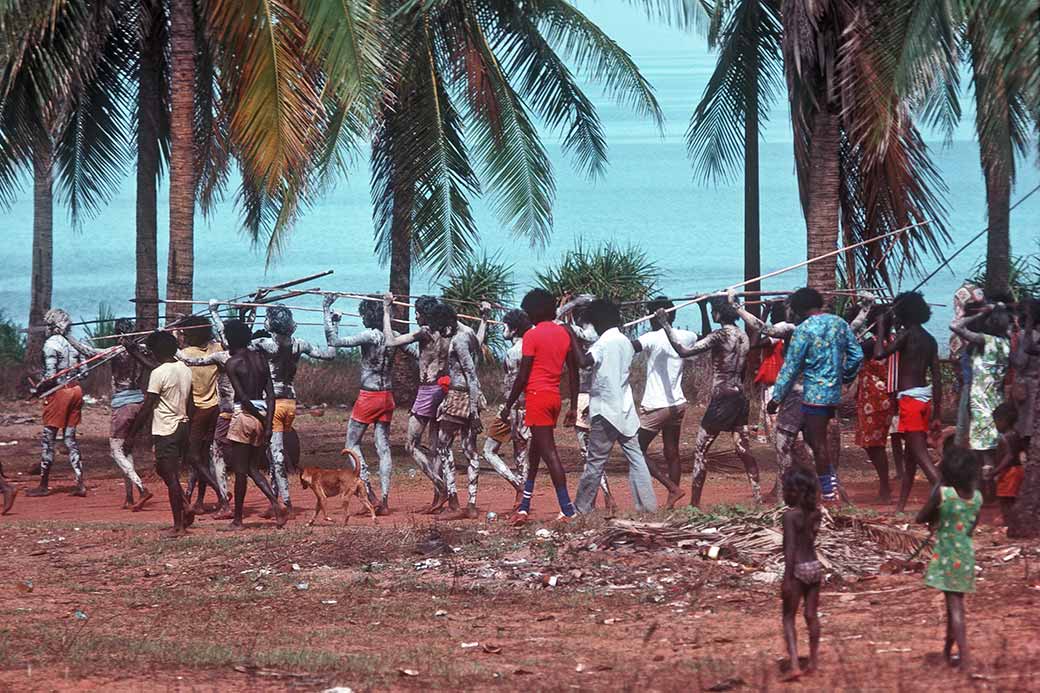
540 305
725 312
441 316
425 304
800 488
237 334
959 468
163 345
804 300
657 303
603 315
910 308
198 331
1006 412
371 314
280 320
518 321
778 311
997 323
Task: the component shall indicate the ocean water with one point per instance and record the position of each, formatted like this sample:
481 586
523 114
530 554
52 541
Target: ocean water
648 198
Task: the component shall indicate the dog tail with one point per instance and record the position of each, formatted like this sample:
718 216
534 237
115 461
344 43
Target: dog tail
355 459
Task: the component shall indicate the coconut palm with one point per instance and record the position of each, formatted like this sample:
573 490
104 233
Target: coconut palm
460 83
724 129
61 105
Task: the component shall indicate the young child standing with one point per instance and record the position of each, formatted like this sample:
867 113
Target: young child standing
953 510
1009 471
803 572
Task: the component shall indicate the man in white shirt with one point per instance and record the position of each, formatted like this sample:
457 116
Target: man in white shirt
664 402
169 404
612 409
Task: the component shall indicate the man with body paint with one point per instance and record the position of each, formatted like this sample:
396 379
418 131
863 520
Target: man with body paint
375 403
128 369
431 351
284 352
63 408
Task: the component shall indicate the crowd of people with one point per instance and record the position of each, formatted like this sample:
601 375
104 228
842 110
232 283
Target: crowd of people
218 395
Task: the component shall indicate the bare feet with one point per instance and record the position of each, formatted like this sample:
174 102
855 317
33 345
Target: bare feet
519 519
235 526
9 495
80 492
173 532
436 507
612 507
382 510
139 505
270 513
467 513
38 492
281 515
674 497
518 500
189 517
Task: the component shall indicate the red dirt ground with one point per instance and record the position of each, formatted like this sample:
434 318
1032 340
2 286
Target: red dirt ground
91 597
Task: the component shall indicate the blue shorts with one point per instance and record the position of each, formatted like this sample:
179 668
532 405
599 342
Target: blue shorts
819 410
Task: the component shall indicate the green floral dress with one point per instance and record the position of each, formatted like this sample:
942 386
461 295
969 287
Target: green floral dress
988 367
953 561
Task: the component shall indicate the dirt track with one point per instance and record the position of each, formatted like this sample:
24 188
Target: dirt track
113 606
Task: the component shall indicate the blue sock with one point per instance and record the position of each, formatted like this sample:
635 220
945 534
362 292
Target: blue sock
564 498
525 502
826 483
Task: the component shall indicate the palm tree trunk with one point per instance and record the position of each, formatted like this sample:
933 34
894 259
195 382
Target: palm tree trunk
821 220
752 247
997 157
180 272
406 375
148 111
42 281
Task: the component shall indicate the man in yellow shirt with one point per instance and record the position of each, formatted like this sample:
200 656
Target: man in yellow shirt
199 343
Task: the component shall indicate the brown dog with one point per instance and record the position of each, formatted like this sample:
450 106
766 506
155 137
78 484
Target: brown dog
332 482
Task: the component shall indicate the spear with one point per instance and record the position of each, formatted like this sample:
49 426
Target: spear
795 266
361 297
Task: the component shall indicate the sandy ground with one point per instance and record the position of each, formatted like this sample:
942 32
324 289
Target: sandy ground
92 597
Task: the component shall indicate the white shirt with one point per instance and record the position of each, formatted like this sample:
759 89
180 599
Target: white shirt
664 369
610 394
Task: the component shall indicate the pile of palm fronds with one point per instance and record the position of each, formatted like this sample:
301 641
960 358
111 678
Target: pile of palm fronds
845 545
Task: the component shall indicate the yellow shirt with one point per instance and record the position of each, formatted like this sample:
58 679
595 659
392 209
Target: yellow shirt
172 383
203 378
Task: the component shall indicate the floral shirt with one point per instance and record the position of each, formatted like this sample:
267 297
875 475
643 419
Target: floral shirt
824 351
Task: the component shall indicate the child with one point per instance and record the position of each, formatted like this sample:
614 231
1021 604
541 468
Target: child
953 510
803 573
1009 472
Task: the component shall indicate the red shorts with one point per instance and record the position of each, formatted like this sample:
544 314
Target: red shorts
1010 481
63 408
372 407
915 416
543 408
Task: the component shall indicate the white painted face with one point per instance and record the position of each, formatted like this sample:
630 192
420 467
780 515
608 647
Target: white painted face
58 321
508 333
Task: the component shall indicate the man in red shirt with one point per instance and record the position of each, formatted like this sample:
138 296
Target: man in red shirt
546 349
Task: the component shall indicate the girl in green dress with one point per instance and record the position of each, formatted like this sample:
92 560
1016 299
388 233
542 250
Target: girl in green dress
952 511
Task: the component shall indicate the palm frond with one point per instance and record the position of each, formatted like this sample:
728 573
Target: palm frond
212 137
547 85
92 152
681 14
749 64
514 164
597 57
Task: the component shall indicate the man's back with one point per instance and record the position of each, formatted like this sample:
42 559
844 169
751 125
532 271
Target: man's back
917 351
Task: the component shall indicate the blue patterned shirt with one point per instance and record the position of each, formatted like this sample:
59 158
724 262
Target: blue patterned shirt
825 352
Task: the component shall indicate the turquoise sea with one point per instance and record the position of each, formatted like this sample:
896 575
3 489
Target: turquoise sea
648 197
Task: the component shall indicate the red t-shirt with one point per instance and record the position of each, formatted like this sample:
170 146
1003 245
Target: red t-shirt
548 342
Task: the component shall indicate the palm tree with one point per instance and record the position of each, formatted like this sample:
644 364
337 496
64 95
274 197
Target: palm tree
724 129
457 83
61 109
853 72
995 31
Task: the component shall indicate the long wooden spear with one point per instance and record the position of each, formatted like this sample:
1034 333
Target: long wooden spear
803 263
362 297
